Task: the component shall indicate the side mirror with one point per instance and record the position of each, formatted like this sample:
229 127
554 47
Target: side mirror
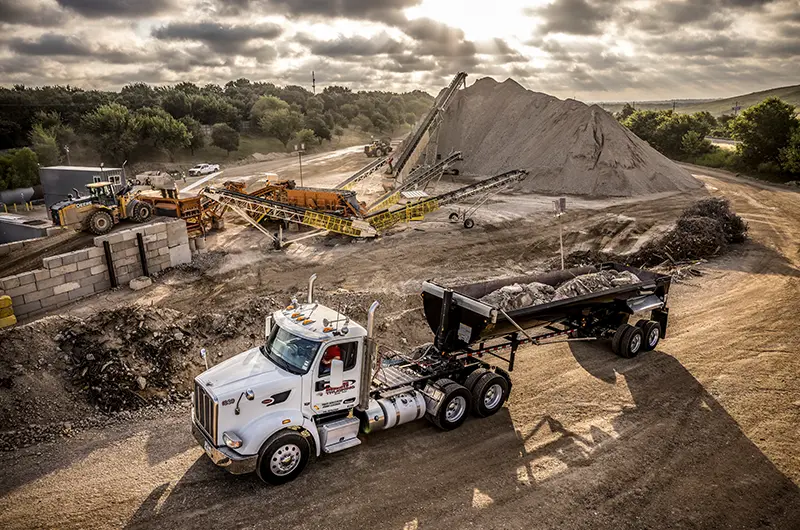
267 327
337 374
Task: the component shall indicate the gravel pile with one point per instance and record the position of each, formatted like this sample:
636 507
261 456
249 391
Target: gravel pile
567 146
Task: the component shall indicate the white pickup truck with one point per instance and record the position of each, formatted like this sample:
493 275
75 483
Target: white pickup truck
203 169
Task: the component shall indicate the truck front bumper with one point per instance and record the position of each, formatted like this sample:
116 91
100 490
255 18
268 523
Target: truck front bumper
225 457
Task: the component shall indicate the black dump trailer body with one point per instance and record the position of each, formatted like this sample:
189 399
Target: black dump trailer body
468 321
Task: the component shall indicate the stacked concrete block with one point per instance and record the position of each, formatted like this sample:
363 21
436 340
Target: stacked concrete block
74 275
8 248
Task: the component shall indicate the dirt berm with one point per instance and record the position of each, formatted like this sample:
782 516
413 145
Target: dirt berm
567 146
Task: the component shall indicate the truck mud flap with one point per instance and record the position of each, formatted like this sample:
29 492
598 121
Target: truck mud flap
661 316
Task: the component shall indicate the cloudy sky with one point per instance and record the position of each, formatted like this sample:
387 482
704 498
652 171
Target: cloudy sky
595 50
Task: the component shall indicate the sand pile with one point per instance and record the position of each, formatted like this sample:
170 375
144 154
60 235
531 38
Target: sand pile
568 147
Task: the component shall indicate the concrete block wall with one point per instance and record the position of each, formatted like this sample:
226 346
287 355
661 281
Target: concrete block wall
8 248
74 275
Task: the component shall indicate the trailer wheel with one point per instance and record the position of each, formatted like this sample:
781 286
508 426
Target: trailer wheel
489 394
453 217
652 333
454 407
100 222
618 337
473 377
283 457
469 223
631 342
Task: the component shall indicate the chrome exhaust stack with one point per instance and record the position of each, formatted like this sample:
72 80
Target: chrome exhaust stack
370 357
311 281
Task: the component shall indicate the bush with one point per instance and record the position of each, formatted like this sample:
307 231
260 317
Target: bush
718 158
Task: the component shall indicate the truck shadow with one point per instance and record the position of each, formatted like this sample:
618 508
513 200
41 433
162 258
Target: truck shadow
669 456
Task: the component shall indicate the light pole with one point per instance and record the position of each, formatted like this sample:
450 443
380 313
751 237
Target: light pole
66 150
300 150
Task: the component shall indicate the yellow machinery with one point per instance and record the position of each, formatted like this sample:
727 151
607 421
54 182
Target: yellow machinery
378 148
100 210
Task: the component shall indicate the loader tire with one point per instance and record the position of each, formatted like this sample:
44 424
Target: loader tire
143 212
454 408
100 223
489 394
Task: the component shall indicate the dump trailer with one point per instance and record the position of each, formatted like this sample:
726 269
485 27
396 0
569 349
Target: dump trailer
321 379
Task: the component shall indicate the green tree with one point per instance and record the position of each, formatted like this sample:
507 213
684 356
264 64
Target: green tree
643 123
213 109
113 129
266 105
362 122
380 122
671 129
26 168
790 155
225 137
137 96
625 112
694 144
305 136
706 118
764 130
198 140
281 124
349 111
44 145
318 125
158 128
176 102
338 132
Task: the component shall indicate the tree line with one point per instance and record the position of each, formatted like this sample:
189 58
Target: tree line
768 135
129 124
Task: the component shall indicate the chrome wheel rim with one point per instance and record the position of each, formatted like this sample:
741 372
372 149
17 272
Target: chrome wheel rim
285 460
455 409
493 396
652 339
636 343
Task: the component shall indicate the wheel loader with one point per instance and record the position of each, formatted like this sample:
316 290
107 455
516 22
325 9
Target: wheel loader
100 210
378 148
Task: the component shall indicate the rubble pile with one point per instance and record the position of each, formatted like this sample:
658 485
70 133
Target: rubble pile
518 295
515 296
593 283
127 358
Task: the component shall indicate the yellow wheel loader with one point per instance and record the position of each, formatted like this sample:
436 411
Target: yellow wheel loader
100 210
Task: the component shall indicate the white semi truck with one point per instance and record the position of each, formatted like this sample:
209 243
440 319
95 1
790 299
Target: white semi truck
319 380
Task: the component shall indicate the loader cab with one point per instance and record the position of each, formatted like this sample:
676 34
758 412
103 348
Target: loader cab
102 193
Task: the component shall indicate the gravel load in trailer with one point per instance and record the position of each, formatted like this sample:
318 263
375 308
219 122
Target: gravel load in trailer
469 314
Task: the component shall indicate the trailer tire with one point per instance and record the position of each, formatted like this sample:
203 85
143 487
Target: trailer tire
469 223
490 392
454 408
283 457
618 337
473 377
100 222
631 342
652 334
453 217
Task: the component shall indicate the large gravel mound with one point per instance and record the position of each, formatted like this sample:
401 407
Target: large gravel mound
568 147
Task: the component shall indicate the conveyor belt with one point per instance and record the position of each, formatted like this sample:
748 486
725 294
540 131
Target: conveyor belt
362 173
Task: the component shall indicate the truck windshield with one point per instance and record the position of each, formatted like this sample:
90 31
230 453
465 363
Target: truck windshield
290 352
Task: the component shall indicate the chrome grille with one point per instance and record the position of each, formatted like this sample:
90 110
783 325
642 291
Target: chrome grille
205 411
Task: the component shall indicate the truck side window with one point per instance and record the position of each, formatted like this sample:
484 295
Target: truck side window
346 353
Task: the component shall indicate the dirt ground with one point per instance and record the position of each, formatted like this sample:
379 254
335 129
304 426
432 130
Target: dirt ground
701 433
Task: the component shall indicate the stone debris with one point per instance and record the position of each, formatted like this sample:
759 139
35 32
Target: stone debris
593 283
518 295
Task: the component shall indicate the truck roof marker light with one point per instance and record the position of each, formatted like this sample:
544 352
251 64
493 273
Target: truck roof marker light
289 307
301 317
308 321
295 315
327 329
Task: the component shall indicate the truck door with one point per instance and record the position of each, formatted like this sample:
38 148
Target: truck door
325 399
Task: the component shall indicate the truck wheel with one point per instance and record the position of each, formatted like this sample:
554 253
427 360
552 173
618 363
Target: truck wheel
469 223
143 212
454 407
100 222
282 458
630 341
489 394
652 333
453 217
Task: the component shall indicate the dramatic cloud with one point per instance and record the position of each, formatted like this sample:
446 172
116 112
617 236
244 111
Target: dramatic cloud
577 17
589 49
116 8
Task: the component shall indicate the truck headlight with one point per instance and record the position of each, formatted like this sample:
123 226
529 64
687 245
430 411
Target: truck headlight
231 440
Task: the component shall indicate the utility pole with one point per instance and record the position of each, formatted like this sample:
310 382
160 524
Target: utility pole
313 83
300 152
560 205
673 105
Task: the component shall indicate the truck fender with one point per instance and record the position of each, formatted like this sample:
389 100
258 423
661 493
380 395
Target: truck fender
258 431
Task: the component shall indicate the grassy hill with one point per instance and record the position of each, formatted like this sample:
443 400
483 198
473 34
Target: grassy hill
717 107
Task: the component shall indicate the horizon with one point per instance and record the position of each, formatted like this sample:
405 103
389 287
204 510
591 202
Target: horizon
591 50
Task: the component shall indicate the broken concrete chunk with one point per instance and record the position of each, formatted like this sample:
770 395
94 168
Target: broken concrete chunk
140 283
